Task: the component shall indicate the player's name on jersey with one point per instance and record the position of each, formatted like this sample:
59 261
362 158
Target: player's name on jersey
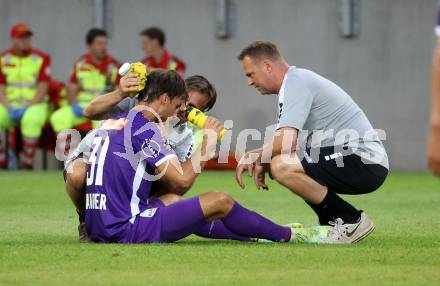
96 201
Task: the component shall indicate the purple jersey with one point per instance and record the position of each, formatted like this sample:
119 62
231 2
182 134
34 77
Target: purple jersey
124 155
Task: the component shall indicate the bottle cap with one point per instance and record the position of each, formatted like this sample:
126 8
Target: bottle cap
124 69
188 110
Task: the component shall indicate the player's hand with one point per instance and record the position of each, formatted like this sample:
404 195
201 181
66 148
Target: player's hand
259 177
245 164
181 114
129 83
214 124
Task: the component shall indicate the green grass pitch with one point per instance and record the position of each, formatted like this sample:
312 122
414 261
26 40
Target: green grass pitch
38 241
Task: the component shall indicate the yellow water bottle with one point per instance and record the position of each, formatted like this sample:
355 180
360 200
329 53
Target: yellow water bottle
140 70
198 118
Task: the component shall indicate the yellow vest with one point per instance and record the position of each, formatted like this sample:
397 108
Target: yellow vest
172 65
92 82
21 74
63 98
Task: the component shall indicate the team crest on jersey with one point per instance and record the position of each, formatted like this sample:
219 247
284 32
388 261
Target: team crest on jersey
148 212
150 148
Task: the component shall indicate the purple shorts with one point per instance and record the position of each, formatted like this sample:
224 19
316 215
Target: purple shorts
160 223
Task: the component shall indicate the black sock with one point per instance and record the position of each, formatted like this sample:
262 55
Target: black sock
332 207
321 212
81 217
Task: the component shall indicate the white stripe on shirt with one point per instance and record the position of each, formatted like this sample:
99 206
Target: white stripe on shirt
167 157
134 202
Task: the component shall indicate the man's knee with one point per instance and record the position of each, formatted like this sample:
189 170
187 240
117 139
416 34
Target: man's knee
224 200
76 175
33 121
216 205
218 202
61 119
276 167
280 167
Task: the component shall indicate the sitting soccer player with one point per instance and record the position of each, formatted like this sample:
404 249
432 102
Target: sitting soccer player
129 153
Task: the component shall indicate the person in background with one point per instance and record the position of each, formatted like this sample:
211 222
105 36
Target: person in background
156 56
93 74
24 77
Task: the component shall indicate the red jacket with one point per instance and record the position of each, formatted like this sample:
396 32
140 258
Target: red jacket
168 62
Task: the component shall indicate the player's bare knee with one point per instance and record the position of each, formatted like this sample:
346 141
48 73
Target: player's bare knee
285 166
76 176
279 168
73 179
225 200
275 166
216 205
222 202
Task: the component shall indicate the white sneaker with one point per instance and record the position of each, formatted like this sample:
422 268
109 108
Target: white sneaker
349 233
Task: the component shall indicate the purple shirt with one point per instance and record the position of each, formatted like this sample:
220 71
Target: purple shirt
124 155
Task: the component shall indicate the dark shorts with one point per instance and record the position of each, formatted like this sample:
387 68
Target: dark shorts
147 226
355 176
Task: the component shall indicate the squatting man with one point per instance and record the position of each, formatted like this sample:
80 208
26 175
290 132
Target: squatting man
313 105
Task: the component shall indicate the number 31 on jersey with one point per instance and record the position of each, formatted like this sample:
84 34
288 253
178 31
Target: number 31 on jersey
96 161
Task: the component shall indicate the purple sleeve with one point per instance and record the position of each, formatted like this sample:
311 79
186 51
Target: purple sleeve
152 146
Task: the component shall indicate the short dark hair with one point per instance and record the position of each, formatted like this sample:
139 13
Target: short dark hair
259 49
163 81
93 33
201 84
155 33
